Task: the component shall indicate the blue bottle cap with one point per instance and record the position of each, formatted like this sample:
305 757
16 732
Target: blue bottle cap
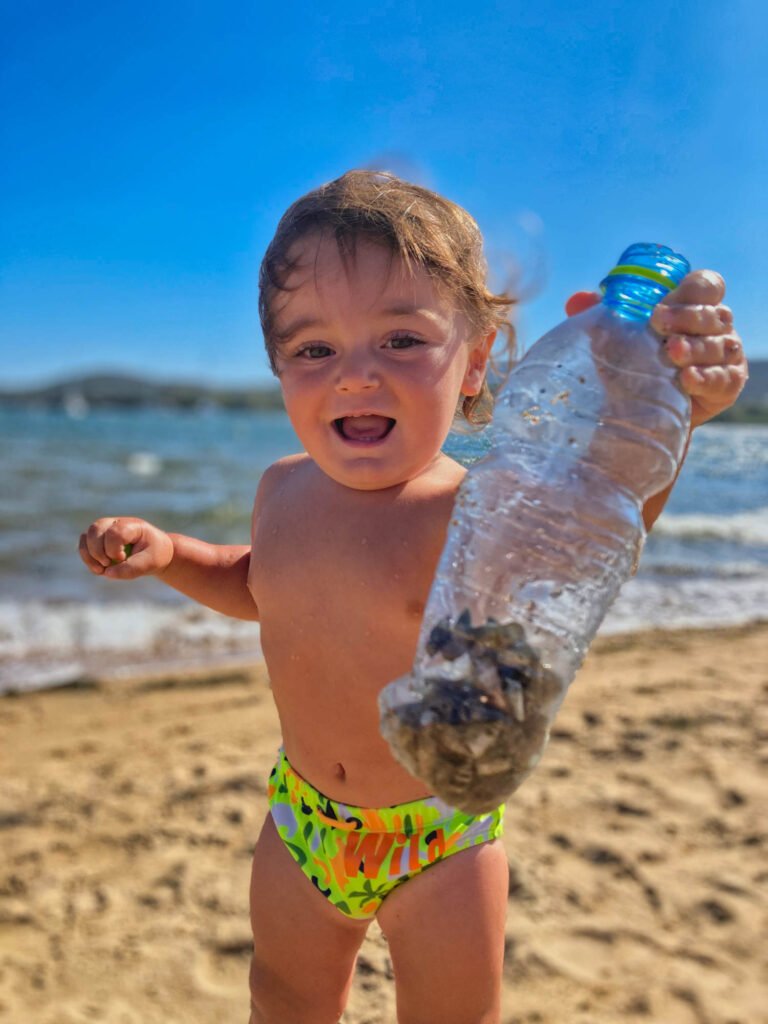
656 263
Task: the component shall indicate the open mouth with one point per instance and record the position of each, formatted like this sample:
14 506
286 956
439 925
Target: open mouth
366 429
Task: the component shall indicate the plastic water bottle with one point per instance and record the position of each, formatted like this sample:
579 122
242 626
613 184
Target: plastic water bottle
545 529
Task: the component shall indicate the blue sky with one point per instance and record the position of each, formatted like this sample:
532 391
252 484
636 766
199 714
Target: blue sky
149 150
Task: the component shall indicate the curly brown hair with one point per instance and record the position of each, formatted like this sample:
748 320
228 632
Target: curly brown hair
420 227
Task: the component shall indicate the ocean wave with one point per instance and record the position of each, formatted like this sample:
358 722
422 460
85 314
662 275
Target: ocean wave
42 643
688 603
45 644
749 528
651 569
143 464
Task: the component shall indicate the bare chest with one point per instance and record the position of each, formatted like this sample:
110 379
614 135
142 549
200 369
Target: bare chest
340 580
324 569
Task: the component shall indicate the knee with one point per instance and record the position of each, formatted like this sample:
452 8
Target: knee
275 999
268 995
263 986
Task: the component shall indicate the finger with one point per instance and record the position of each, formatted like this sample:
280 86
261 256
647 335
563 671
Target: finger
118 536
140 563
713 385
580 301
691 319
126 553
699 288
95 567
692 350
94 538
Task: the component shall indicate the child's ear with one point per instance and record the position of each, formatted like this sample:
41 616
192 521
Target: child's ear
478 361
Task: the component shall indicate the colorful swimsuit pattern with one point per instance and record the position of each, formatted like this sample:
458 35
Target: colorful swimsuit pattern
356 856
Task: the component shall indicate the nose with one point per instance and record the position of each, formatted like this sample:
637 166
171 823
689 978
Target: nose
356 372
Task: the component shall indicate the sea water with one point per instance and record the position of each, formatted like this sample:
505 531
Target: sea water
705 563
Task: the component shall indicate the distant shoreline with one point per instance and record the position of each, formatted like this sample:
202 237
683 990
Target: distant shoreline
80 395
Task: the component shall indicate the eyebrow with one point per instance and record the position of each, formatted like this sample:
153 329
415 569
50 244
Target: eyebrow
309 322
302 324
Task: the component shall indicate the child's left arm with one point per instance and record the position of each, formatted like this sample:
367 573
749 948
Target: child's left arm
700 340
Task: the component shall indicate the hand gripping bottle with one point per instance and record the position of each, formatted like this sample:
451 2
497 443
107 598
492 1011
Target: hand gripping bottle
546 528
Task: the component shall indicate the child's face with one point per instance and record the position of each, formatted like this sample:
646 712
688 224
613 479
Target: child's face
372 363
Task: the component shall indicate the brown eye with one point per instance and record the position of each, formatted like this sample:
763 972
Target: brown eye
404 341
314 352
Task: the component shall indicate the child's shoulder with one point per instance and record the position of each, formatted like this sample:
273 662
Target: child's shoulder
277 475
287 464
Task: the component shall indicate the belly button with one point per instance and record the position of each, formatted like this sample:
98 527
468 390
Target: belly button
339 770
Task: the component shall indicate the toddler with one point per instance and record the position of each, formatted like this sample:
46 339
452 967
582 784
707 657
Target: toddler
379 324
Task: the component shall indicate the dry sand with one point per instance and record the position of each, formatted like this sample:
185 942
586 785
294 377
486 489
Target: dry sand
637 851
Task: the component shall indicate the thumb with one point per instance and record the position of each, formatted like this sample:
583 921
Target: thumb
581 301
140 561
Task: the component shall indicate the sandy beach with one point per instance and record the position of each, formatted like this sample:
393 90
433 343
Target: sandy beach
128 810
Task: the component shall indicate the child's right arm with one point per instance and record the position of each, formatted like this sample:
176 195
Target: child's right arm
216 575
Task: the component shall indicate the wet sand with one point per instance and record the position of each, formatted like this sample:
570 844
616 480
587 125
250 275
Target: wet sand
128 811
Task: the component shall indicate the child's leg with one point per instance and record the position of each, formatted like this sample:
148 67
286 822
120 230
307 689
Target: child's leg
304 948
445 929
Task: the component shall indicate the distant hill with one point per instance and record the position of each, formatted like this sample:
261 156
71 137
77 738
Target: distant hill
752 406
100 391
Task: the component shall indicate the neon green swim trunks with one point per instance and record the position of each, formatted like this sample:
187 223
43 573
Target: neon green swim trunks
356 856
